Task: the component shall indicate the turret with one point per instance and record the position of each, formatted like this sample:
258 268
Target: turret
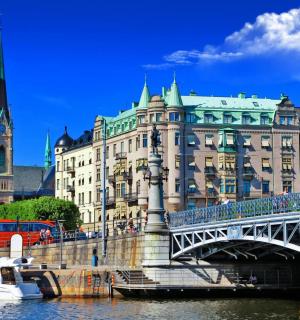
145 96
174 98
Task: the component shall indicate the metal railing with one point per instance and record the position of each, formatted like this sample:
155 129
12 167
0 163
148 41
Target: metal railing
234 210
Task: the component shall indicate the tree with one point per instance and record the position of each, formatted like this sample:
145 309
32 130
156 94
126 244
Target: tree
44 208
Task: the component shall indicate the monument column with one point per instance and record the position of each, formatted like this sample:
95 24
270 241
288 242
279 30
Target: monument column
157 240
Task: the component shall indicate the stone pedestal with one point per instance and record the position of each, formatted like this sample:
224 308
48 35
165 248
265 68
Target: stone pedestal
157 240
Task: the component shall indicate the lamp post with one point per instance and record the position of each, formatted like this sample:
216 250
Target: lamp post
60 223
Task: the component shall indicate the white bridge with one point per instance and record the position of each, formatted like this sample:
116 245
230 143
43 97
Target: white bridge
249 229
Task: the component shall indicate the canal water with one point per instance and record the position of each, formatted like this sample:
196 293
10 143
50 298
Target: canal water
121 308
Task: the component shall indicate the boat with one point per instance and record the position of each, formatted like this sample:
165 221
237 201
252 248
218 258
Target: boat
12 286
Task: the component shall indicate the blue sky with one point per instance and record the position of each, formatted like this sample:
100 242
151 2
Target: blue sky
67 61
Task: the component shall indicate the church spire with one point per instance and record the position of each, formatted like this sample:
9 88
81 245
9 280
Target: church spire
48 154
145 96
3 95
175 97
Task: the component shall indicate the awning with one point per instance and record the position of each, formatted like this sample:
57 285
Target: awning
230 140
247 164
284 166
247 141
192 164
266 163
208 163
209 184
209 141
192 186
265 142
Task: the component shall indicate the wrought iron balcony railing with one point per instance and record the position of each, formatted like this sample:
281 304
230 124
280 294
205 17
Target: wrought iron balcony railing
71 189
121 155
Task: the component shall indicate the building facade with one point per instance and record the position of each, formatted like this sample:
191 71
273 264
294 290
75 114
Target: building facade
6 139
74 173
215 148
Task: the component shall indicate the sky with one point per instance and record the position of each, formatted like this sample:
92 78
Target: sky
67 61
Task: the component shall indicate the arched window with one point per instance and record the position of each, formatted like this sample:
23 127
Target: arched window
2 156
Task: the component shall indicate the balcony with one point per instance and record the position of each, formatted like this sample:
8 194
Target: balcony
131 197
71 170
121 155
71 189
109 201
210 171
111 179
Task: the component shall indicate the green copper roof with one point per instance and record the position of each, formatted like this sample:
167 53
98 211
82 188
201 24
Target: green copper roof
48 153
145 97
174 97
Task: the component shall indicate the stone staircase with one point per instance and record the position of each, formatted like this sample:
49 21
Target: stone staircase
133 277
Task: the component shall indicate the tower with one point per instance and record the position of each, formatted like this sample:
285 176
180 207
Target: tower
48 153
6 138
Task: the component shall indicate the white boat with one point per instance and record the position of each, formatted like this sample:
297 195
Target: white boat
12 286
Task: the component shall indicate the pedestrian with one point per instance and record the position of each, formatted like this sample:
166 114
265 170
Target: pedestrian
42 235
48 234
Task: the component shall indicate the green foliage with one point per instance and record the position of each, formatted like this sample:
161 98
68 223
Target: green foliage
44 208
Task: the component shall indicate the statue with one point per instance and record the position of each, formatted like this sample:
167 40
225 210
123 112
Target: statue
154 139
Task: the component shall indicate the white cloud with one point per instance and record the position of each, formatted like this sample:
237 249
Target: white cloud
271 33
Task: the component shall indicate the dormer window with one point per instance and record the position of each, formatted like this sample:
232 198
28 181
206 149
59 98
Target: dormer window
246 118
264 119
224 102
208 118
227 118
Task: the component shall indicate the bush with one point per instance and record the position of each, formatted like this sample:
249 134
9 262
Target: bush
44 208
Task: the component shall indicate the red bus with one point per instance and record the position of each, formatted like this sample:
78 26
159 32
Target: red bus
29 230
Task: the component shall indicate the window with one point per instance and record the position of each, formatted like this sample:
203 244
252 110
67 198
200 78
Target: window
191 163
255 104
286 142
287 186
209 139
90 178
222 186
130 125
246 187
151 118
177 139
121 190
107 172
82 198
57 184
208 118
129 145
98 175
289 120
107 152
209 186
230 185
122 146
208 162
174 116
282 120
177 185
57 165
138 187
229 139
177 161
141 119
98 194
114 150
227 118
265 141
192 188
191 140
247 163
123 127
145 140
286 163
224 103
98 154
79 198
265 164
247 141
264 119
265 186
191 118
90 196
246 119
137 143
158 117
191 204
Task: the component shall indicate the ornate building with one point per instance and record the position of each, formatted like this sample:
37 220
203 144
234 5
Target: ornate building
6 139
215 148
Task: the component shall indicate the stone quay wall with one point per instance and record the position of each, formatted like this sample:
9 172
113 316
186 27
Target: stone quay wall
124 250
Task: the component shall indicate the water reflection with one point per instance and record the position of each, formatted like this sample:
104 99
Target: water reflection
121 308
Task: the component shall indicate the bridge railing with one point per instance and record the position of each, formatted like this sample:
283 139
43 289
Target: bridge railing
234 210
